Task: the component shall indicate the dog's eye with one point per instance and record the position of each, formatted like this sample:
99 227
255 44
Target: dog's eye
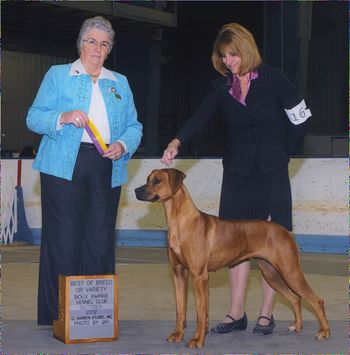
156 181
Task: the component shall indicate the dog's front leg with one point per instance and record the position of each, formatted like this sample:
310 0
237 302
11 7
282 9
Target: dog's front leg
180 276
202 303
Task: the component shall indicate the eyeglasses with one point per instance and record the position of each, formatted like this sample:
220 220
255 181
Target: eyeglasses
93 43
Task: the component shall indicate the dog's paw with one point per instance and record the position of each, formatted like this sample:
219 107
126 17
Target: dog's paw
292 328
175 337
295 328
323 334
195 343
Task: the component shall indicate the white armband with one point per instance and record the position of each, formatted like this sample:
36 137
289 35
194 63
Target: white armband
299 113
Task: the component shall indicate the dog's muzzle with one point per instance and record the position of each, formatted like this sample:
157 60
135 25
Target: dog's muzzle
143 195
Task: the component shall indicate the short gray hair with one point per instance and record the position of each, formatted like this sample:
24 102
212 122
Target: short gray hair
97 22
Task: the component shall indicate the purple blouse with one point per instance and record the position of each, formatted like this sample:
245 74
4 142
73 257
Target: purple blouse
234 86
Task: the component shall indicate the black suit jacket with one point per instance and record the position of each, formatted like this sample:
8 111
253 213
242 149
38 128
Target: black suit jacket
258 133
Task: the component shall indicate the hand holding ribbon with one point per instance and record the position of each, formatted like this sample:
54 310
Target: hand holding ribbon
76 117
96 137
115 151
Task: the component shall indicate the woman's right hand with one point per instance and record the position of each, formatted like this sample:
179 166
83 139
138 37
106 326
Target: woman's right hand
171 152
76 117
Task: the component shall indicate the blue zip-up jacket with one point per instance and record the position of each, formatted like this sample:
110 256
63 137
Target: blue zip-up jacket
62 91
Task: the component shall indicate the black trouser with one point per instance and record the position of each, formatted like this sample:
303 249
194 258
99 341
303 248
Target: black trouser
78 227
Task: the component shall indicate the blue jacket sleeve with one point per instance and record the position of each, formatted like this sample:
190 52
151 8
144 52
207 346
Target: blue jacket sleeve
133 132
42 117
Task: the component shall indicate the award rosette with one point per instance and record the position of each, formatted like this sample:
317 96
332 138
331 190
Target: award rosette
95 136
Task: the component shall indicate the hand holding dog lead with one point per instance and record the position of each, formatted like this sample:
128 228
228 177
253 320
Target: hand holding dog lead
171 152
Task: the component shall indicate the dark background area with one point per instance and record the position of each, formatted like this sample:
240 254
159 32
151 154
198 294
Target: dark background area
167 61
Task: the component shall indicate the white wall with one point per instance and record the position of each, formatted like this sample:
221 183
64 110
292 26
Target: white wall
319 187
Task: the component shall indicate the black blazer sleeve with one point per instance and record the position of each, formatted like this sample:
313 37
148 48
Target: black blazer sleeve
290 99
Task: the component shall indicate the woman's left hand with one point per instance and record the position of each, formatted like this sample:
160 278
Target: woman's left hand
115 151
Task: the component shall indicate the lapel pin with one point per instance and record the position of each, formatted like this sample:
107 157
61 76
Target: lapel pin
114 91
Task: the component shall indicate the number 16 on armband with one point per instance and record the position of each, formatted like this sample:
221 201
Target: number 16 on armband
299 113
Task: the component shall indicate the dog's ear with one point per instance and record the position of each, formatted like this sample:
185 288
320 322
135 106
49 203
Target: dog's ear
176 178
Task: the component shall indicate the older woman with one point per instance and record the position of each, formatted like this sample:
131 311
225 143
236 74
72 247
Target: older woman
265 122
90 130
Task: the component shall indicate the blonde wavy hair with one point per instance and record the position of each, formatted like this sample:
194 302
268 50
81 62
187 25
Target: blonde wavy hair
237 40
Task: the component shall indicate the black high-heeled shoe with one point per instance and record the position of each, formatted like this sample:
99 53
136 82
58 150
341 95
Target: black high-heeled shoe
239 324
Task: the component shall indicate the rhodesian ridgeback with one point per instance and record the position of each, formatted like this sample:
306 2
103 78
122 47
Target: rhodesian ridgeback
199 243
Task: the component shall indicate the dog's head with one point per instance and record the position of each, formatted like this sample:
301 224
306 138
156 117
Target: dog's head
161 185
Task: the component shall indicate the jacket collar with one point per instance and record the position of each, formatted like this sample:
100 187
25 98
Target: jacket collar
77 68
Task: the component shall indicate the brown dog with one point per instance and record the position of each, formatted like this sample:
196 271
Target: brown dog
199 243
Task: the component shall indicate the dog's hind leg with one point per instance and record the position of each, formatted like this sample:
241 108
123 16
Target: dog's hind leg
285 259
180 277
297 282
274 279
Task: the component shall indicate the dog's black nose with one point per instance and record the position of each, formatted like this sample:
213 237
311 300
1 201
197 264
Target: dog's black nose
139 193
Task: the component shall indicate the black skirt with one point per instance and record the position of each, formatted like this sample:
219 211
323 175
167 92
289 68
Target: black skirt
257 196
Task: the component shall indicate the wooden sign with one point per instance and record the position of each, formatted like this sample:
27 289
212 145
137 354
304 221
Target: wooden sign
87 309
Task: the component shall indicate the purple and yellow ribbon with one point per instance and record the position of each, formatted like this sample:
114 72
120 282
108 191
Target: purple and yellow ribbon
96 137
